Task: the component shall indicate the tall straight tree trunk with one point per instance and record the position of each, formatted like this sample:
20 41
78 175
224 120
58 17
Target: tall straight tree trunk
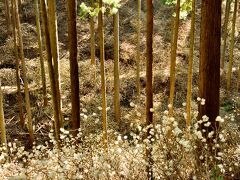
190 66
92 34
72 42
56 111
19 95
40 49
8 16
149 91
173 58
92 43
225 32
52 26
116 68
209 70
2 121
24 70
138 46
102 70
229 73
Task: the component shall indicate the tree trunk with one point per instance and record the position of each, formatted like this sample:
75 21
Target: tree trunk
92 43
229 73
173 58
52 26
102 70
44 89
138 47
72 42
209 70
116 68
19 95
190 67
225 32
56 111
149 91
2 121
92 34
24 70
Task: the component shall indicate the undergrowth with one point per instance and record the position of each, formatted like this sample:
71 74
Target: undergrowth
185 154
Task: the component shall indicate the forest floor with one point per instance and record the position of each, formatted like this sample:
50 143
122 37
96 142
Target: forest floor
89 90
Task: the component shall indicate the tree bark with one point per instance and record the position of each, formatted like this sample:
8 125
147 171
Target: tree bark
72 42
102 70
24 70
209 70
225 32
2 121
19 95
92 34
52 26
190 67
43 77
149 91
173 58
138 47
92 43
116 69
229 73
56 111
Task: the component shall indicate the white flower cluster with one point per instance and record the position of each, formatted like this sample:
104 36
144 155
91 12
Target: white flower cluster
219 119
201 100
171 149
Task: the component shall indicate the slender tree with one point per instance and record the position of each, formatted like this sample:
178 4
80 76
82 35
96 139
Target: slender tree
24 71
40 49
72 42
2 121
102 70
229 73
52 28
116 68
19 95
209 69
92 34
138 46
56 110
225 31
190 66
92 42
149 91
173 58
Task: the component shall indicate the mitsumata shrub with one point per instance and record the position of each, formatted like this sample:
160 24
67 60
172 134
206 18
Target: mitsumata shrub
183 155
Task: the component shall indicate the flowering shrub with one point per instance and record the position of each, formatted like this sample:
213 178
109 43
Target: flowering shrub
185 154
